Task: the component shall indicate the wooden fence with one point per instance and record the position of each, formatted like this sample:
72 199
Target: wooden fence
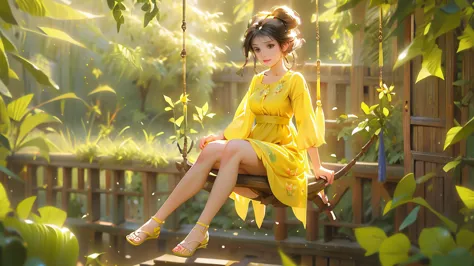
108 208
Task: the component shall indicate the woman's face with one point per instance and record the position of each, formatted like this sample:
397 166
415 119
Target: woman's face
267 50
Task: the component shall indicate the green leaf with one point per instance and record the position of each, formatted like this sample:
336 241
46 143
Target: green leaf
9 46
10 173
4 90
4 118
56 10
386 112
394 250
169 101
33 121
450 224
455 257
49 243
32 7
467 196
60 35
425 178
411 51
24 207
444 23
370 239
435 240
6 12
4 202
347 5
404 190
451 165
205 108
18 108
65 96
179 121
39 143
39 75
411 218
466 40
365 108
103 88
465 239
461 82
4 65
150 15
4 142
94 258
431 65
52 215
456 134
285 260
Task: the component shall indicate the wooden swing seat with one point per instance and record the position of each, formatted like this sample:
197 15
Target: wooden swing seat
260 185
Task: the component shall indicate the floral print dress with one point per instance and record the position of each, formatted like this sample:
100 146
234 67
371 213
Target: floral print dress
264 119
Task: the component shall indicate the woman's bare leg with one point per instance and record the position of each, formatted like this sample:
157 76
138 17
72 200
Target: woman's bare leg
237 154
192 182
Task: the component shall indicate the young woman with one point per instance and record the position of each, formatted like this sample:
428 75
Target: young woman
261 139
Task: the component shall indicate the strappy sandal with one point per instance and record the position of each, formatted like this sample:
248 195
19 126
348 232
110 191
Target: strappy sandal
149 235
181 249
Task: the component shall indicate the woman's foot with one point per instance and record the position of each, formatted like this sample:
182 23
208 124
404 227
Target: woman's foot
150 230
196 239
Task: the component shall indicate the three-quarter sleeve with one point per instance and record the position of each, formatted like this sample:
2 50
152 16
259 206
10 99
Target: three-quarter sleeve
244 118
305 118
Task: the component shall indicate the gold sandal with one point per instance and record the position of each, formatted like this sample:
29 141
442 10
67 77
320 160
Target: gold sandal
182 251
154 235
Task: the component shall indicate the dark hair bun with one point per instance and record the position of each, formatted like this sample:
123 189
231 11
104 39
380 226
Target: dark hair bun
291 17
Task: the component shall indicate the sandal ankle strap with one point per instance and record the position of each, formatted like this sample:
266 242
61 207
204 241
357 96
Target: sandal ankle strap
203 225
157 220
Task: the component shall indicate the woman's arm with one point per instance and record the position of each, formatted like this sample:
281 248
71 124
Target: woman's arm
318 169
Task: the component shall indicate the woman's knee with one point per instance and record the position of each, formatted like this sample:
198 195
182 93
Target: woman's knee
212 151
234 147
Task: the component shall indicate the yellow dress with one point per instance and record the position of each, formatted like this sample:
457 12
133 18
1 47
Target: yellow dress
263 118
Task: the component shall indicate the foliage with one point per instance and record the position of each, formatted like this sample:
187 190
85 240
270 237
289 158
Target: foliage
202 113
436 244
373 118
39 8
39 239
18 121
134 54
341 27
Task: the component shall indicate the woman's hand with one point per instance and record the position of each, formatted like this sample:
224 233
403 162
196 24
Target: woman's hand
205 140
327 174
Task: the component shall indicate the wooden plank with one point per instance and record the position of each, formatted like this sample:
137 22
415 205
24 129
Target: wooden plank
80 178
312 222
430 196
357 200
118 201
149 197
67 183
108 187
307 260
450 65
280 229
420 192
172 222
30 180
93 198
428 121
321 261
334 262
50 174
375 198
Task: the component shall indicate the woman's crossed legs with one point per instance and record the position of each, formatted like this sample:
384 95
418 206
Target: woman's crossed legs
230 157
